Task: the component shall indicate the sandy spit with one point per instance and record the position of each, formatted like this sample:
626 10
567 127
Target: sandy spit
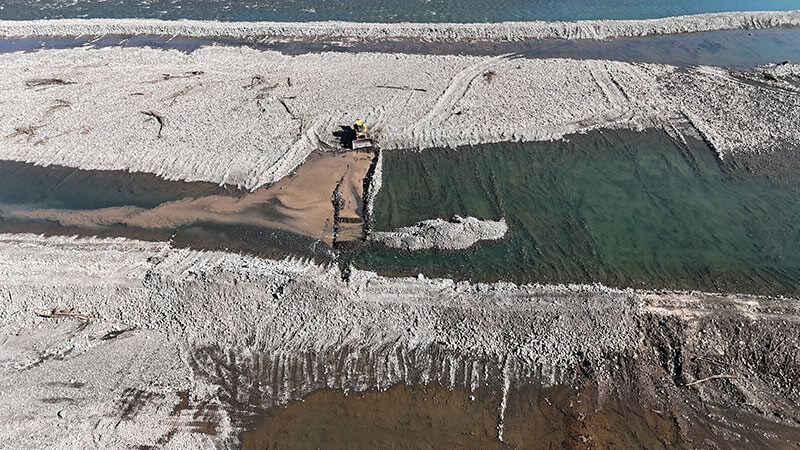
247 117
503 31
455 234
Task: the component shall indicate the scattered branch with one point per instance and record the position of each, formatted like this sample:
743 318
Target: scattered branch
39 82
114 333
184 91
167 76
714 377
255 81
57 313
294 117
158 118
401 88
29 131
262 93
286 107
60 104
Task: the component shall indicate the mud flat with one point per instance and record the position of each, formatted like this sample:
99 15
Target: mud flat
503 31
246 117
455 234
192 348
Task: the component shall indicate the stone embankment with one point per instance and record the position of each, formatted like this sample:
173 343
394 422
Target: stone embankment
455 234
503 31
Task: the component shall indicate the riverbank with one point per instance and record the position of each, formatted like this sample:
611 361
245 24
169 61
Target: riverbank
173 334
248 118
443 32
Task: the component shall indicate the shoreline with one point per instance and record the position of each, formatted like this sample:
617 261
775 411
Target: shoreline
441 32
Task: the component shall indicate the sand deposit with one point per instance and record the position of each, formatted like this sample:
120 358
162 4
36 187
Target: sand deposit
299 203
248 118
114 342
503 31
455 234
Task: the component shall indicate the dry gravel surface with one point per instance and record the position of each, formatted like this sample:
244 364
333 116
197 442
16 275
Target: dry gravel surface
455 234
248 117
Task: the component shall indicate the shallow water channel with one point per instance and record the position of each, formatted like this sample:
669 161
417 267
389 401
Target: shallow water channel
736 49
294 216
620 208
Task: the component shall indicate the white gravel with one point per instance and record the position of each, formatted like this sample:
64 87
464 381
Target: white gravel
219 326
455 234
248 118
503 31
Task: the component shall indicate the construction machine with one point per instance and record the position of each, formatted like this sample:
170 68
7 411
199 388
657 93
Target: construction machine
362 139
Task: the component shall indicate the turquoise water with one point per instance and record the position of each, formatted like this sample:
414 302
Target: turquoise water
621 208
378 10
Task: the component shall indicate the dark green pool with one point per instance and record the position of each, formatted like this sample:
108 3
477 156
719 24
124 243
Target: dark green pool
621 208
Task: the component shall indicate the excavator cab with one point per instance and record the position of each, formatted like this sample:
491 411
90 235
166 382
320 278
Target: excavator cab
362 139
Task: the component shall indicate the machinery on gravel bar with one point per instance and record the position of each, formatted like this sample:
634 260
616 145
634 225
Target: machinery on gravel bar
362 139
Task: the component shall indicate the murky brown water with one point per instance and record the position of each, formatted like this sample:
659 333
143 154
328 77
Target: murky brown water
296 215
557 417
402 417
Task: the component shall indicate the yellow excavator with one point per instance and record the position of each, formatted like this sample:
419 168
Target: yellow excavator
362 139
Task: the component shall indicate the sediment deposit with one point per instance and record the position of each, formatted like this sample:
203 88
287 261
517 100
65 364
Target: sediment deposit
248 118
112 342
455 234
299 203
503 31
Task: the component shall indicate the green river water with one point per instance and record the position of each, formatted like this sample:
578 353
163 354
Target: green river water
621 208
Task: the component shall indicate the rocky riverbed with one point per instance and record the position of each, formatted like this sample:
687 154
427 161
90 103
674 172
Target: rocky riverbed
441 32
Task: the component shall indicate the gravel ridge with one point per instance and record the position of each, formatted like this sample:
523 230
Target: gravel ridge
502 31
457 233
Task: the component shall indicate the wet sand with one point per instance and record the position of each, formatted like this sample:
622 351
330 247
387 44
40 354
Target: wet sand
301 203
